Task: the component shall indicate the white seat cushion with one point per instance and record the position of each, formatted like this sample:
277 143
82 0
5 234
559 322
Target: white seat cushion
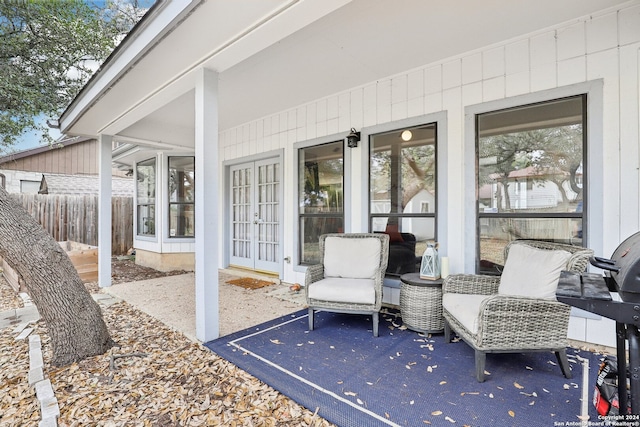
357 258
335 289
465 308
532 272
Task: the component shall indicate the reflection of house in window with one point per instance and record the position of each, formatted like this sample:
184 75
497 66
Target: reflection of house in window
530 175
402 197
402 168
527 188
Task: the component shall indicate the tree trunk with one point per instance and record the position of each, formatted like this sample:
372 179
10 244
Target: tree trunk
74 320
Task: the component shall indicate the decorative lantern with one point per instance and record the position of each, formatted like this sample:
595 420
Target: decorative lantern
430 267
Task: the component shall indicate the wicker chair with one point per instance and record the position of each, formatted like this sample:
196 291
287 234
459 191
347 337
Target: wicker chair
508 323
349 276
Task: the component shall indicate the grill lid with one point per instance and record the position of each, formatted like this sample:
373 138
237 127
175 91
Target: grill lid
624 268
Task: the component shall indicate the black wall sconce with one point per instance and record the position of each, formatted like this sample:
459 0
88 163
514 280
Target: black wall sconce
353 138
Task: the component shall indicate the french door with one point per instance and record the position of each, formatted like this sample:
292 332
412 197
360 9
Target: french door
254 215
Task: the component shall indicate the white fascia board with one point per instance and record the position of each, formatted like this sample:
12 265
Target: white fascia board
166 17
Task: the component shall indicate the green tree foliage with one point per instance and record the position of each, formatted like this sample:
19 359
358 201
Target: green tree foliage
555 154
417 168
48 50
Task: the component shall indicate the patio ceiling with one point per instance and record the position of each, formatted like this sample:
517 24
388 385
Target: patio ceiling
272 55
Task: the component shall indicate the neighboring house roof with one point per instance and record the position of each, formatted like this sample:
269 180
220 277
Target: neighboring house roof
83 185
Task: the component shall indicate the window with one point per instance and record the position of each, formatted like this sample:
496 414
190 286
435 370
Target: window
321 196
402 192
181 196
146 197
3 181
29 187
530 174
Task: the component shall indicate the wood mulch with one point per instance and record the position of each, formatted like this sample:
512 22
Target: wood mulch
162 379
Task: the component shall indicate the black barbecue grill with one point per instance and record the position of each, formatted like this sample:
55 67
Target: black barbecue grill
592 292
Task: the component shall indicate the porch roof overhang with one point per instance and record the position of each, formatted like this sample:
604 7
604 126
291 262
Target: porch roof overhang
272 55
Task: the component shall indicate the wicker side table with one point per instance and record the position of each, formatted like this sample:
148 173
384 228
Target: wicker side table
421 303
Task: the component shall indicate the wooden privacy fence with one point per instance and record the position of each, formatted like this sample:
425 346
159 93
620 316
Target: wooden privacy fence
75 218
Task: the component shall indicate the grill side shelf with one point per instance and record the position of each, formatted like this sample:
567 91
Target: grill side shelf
589 292
586 285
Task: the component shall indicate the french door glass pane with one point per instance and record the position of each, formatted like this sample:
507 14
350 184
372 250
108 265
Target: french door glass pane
267 213
241 190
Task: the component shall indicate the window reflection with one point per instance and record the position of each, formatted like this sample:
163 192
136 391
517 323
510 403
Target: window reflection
146 197
321 196
530 176
402 195
181 196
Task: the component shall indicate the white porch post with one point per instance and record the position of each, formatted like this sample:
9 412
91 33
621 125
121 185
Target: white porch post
206 205
104 210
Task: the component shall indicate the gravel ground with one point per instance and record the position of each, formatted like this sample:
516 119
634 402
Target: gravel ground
164 379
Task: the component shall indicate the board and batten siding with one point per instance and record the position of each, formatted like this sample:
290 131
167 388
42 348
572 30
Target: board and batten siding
601 47
81 158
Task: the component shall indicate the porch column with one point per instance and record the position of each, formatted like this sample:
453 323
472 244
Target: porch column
206 205
104 210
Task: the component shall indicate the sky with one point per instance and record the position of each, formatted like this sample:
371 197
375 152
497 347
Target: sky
33 139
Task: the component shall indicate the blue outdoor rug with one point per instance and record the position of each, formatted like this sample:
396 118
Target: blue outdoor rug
403 378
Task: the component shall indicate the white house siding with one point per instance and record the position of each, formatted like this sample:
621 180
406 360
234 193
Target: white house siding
13 179
602 46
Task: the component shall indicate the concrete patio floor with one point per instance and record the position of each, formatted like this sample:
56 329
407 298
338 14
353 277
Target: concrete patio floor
171 300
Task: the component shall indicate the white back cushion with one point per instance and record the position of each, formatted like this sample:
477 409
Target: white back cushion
356 258
532 272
